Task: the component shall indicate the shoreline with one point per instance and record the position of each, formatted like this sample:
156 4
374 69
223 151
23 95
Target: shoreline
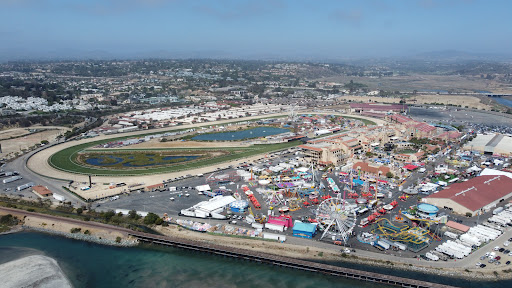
336 261
81 237
105 235
328 256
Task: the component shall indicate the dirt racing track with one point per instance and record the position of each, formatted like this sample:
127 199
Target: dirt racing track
39 162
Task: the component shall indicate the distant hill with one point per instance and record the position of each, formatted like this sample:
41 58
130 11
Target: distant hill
455 55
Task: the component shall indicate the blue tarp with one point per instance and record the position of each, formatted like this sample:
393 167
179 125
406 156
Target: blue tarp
304 230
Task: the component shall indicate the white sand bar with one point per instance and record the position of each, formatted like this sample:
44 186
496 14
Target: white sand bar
35 271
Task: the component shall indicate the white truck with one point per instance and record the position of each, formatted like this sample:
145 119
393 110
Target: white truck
11 179
25 186
497 210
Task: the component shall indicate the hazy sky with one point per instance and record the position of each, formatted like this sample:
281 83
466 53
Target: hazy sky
246 28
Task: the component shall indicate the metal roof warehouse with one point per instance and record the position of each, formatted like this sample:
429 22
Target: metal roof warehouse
482 192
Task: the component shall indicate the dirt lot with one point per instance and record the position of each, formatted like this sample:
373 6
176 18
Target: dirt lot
470 101
11 146
423 82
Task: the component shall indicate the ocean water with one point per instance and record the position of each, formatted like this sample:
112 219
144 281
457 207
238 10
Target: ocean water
92 265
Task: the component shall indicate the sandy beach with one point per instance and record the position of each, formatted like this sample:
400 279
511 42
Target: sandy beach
36 271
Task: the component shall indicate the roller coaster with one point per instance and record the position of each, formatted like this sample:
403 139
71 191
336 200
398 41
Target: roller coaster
415 238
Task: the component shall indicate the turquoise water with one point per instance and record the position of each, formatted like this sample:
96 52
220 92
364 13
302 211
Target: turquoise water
93 265
239 135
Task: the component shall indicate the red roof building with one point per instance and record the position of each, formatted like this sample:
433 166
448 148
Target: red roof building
457 226
154 187
374 170
42 191
479 193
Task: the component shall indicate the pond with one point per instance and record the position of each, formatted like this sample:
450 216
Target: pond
240 135
142 160
504 101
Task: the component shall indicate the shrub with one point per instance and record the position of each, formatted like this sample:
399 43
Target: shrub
75 230
118 239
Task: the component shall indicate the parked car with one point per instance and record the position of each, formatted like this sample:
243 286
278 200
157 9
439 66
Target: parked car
508 262
482 266
501 249
496 248
482 258
498 257
506 251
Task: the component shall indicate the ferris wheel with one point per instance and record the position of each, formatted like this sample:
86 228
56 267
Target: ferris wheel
336 218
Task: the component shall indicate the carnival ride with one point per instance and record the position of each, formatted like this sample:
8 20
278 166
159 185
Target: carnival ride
336 218
416 238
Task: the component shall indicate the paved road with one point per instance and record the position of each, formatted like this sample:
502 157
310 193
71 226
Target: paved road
19 164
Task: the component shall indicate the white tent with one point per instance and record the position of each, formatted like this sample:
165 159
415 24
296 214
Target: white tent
493 172
202 188
302 169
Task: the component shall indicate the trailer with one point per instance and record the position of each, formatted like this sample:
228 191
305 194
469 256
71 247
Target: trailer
274 227
400 245
12 179
58 197
468 238
440 255
25 186
7 174
272 236
431 256
450 235
257 226
497 210
382 244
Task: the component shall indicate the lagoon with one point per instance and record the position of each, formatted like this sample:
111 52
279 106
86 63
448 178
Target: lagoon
241 135
93 265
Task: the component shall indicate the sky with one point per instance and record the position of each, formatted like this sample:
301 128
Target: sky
252 28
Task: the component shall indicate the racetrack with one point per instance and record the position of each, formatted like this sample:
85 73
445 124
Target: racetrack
39 163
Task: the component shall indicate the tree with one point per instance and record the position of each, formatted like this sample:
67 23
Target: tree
79 211
133 215
150 218
389 174
108 215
